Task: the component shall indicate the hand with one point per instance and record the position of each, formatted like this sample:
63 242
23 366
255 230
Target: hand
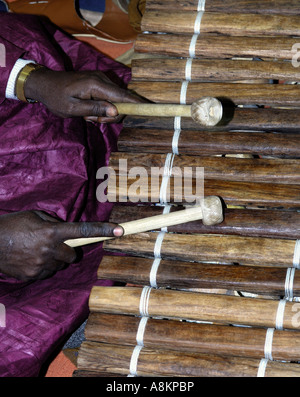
32 243
73 94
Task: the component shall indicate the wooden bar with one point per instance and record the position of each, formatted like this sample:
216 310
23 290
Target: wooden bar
253 119
239 94
204 143
250 195
183 275
166 303
167 363
209 248
282 7
192 337
275 171
223 23
241 222
212 46
162 69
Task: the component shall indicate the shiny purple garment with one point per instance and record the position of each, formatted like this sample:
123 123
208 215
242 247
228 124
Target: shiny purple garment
48 163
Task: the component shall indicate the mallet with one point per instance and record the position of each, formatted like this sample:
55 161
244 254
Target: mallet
206 111
209 210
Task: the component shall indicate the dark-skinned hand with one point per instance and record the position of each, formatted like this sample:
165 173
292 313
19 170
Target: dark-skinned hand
78 94
32 243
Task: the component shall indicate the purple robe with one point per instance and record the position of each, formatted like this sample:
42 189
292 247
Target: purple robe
48 163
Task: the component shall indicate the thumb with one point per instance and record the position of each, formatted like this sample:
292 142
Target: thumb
74 230
90 107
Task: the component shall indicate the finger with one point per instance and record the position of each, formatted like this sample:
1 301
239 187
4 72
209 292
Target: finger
50 270
107 90
93 108
67 231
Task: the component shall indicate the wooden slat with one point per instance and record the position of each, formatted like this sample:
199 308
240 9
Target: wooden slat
223 23
94 356
240 94
283 7
216 70
274 171
204 143
185 275
253 119
192 337
209 248
248 194
241 222
212 46
166 303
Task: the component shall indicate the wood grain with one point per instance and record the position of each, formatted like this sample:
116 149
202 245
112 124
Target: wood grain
216 70
116 359
222 23
204 143
210 248
274 171
165 303
253 119
184 275
241 222
248 194
192 337
282 7
208 46
239 94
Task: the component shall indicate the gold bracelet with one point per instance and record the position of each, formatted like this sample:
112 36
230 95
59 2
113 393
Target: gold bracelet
21 80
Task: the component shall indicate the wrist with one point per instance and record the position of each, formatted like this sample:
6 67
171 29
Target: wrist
22 88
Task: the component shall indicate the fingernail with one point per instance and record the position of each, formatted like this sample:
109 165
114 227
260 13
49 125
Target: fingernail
118 231
111 112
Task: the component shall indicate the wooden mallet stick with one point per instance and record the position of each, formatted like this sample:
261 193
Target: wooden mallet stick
206 111
210 211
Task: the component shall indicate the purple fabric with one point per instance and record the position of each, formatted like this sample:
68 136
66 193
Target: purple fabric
48 163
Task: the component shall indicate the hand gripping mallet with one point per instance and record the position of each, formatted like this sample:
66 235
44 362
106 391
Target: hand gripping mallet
209 210
206 111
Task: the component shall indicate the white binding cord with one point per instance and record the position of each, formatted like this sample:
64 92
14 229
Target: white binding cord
143 307
269 343
201 5
166 177
176 135
141 331
296 259
280 314
157 251
289 284
262 367
134 361
144 301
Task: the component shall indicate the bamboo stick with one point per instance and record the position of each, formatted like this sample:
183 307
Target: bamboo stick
212 70
282 7
258 119
182 275
165 303
230 169
241 222
251 195
204 143
254 251
192 337
240 94
212 46
151 362
205 111
209 210
223 23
